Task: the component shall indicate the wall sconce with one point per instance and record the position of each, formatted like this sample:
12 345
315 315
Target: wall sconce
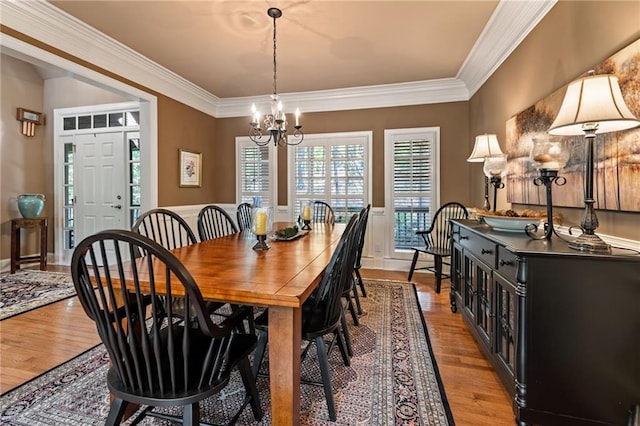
29 119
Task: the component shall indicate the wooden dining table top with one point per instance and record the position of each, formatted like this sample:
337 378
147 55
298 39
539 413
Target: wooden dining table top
228 269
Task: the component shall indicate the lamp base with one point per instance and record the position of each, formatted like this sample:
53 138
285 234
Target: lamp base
590 243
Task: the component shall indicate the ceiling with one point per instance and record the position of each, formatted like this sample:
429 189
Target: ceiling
226 47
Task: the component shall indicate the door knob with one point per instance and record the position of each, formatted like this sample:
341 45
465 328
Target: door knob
117 206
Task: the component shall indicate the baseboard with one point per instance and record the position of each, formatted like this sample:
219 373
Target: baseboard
5 264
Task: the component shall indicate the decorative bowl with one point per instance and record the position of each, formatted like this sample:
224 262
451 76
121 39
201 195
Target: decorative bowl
509 224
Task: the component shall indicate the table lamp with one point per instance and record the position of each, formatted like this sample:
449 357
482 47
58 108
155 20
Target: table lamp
486 146
592 105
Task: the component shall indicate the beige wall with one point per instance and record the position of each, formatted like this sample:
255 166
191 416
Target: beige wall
452 119
182 127
574 36
21 157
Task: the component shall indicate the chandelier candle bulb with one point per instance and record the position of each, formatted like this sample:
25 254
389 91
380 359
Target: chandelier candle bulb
297 117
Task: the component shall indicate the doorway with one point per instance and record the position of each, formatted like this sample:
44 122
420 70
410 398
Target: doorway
99 171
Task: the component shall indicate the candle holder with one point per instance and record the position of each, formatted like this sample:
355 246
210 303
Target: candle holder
262 243
548 157
261 226
547 178
305 213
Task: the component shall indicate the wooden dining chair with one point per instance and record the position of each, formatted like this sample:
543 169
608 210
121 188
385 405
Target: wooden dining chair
322 213
165 227
171 231
437 240
157 360
215 222
364 219
322 314
243 215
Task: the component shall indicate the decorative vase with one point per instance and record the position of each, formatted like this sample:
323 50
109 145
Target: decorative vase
30 205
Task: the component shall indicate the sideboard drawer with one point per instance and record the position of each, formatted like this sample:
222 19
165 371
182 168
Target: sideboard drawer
507 266
481 248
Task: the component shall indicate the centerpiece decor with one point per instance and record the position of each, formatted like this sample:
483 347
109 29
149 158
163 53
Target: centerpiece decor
305 214
261 226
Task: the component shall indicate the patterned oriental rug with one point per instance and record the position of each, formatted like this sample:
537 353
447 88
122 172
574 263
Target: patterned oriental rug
30 289
393 378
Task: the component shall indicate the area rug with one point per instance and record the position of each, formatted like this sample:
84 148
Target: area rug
393 378
30 289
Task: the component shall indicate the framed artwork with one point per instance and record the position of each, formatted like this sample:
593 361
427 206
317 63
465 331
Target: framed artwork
616 155
190 169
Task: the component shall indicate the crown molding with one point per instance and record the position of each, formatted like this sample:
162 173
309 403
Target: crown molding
507 27
510 23
381 96
48 24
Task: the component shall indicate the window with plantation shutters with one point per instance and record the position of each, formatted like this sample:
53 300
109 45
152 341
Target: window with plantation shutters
411 176
255 169
333 168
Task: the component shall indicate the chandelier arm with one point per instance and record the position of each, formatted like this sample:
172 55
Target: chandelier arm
258 138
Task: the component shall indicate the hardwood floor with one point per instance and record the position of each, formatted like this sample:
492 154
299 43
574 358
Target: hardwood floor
34 342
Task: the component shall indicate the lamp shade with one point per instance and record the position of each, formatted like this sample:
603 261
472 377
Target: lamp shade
485 146
593 100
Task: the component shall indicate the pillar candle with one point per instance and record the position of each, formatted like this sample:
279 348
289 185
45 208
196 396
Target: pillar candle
261 223
306 213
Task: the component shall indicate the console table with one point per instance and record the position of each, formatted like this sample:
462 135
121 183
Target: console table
16 258
560 327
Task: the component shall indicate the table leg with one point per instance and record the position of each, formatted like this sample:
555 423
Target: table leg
15 247
43 245
285 328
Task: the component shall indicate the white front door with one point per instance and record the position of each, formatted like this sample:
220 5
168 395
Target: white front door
100 183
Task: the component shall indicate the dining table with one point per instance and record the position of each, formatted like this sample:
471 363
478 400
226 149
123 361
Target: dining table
280 278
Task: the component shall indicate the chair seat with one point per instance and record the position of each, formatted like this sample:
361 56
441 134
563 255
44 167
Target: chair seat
435 251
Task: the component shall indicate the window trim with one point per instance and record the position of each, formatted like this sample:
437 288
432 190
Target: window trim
390 136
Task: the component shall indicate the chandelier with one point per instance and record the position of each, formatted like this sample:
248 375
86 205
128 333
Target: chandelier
275 123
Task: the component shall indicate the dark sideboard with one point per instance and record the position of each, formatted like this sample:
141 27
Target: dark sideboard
561 327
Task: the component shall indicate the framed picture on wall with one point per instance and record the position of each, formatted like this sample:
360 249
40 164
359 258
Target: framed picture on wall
190 169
